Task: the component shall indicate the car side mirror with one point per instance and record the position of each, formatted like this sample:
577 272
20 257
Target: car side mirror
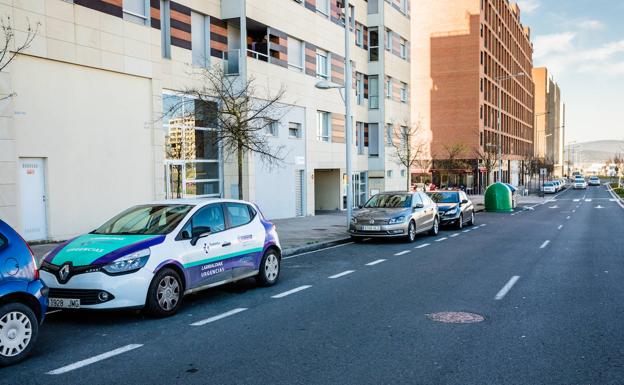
199 233
464 201
418 206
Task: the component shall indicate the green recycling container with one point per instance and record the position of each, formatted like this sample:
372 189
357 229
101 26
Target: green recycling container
498 198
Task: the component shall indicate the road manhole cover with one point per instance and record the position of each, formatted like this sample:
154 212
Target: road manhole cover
455 317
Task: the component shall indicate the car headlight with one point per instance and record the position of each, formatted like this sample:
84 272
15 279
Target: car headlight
130 262
395 220
451 211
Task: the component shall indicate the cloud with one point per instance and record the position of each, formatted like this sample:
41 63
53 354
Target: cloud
528 6
590 24
557 42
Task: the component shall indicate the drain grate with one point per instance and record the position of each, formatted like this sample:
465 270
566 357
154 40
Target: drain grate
455 317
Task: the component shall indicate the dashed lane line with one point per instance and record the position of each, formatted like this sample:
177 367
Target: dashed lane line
503 292
560 227
378 261
423 245
454 235
402 252
219 317
341 274
292 291
441 239
93 360
544 244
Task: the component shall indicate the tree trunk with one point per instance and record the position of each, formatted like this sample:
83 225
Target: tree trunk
240 170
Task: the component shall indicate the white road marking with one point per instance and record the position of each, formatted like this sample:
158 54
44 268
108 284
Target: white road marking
423 245
92 360
568 217
441 239
466 231
316 251
293 291
483 225
503 292
576 200
341 274
513 214
218 317
554 207
454 235
544 244
588 200
402 252
54 311
574 210
560 227
375 262
599 207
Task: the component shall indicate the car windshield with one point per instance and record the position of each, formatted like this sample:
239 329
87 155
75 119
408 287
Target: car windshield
548 184
145 220
580 180
444 197
389 201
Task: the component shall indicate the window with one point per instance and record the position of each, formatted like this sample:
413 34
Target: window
388 40
165 29
373 6
200 39
403 92
373 44
295 53
238 213
359 88
322 130
209 218
352 16
359 137
322 62
322 6
294 130
403 48
403 173
373 92
146 219
389 88
273 128
136 11
389 134
389 173
359 35
404 6
373 139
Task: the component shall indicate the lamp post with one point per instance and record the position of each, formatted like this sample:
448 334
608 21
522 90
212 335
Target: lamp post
499 80
324 85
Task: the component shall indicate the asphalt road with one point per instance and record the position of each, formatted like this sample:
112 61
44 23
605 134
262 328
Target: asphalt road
549 282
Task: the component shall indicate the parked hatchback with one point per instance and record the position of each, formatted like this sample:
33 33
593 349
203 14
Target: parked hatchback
455 208
23 297
395 214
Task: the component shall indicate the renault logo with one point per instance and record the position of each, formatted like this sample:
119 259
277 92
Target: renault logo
371 221
63 273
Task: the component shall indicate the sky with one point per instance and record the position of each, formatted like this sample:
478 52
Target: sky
582 43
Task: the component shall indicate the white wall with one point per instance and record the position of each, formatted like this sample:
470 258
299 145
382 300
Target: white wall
92 126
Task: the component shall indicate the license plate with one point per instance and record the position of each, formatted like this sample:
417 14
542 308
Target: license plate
64 303
371 228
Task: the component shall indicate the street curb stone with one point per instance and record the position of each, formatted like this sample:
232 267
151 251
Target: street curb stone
313 247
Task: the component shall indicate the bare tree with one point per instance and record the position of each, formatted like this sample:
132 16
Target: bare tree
241 112
488 157
410 148
9 48
453 158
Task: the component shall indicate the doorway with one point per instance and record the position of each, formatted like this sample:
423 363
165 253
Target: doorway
33 199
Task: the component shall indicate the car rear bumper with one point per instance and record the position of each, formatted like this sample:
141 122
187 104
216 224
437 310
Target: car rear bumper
124 291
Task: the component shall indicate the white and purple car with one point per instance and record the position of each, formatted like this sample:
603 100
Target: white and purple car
151 255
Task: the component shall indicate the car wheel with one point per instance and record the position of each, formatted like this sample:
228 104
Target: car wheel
436 227
460 222
19 328
269 268
165 294
411 232
471 222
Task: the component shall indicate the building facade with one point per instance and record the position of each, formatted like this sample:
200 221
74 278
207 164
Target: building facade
464 50
549 121
87 133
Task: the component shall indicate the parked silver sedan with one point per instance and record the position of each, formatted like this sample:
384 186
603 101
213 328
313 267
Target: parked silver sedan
395 214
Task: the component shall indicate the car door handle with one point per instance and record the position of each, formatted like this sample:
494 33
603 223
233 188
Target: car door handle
226 244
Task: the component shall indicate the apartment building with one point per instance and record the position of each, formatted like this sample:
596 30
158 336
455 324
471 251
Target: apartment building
549 128
83 135
465 51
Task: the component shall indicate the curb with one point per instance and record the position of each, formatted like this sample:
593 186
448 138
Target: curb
313 247
620 200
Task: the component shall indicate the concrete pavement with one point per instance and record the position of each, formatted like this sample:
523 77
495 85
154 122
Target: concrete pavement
357 313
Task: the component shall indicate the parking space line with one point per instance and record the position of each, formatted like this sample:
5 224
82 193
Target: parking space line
560 227
402 252
218 317
292 291
454 235
341 274
503 292
423 245
544 244
441 239
375 262
466 231
92 360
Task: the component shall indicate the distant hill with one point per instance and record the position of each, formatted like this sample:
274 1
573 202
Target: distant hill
598 151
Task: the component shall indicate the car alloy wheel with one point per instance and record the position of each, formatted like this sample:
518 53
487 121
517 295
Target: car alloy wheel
168 293
16 332
271 268
436 226
460 222
472 218
411 232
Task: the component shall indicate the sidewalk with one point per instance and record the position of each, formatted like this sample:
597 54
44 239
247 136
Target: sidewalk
297 235
528 200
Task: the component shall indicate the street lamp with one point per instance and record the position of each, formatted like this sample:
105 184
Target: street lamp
325 85
499 80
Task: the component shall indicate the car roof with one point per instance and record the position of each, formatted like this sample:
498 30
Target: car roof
444 191
194 201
